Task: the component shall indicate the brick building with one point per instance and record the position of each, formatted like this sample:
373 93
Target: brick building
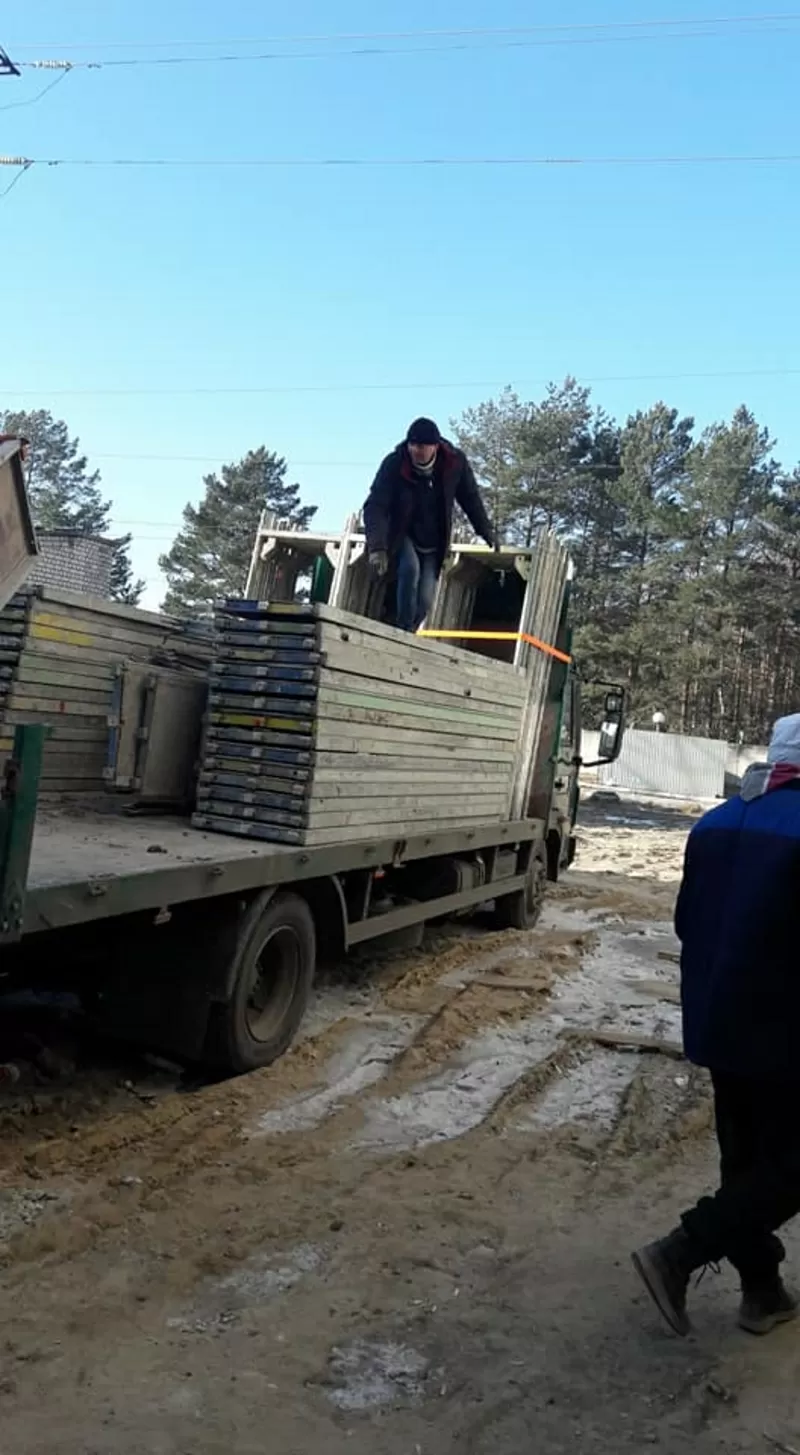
74 561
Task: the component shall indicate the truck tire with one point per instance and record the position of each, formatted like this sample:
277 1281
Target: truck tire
521 910
272 971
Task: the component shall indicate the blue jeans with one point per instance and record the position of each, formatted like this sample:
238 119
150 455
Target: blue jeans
416 585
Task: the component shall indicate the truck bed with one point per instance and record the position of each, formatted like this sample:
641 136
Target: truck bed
83 844
89 864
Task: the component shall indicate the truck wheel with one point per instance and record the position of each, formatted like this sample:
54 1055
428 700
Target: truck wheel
521 910
272 973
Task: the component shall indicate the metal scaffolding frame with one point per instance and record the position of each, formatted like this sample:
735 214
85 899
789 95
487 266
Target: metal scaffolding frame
285 562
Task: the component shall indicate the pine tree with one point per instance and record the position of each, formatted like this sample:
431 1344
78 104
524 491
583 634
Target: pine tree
654 452
732 478
771 678
687 553
554 445
596 525
529 458
125 587
65 494
489 435
211 553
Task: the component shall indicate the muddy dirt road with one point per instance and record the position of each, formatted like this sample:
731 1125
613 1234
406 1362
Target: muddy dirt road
409 1237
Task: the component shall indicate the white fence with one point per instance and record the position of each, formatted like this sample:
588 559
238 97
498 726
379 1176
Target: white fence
665 764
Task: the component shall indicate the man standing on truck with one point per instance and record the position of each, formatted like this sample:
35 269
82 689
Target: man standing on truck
738 920
408 516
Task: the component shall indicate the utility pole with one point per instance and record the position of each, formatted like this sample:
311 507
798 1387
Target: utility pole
7 67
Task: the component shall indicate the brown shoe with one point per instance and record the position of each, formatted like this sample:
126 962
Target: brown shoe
665 1269
765 1305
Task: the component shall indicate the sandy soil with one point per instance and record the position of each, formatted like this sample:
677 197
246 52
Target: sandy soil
411 1236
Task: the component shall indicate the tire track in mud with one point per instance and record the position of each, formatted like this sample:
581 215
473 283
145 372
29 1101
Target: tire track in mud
77 1125
138 1158
124 1169
183 1129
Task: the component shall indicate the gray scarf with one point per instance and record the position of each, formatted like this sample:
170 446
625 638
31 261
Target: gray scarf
425 471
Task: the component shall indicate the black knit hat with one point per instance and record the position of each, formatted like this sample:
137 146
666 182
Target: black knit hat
423 432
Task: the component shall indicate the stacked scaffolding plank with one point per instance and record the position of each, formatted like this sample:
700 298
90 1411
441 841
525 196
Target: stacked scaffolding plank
324 727
60 654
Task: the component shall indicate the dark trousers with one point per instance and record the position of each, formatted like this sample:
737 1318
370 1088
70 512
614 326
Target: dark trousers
758 1130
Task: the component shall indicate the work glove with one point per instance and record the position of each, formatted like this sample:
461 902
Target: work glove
379 563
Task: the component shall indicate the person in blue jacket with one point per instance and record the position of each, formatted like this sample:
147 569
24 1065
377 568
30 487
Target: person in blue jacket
738 920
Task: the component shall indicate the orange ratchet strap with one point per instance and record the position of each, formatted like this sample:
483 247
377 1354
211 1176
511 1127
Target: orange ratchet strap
501 637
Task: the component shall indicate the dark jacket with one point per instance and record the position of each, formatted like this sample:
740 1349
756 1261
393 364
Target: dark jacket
390 504
738 920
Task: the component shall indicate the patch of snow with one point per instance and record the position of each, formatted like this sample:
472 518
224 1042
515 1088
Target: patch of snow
590 1093
262 1278
363 1061
633 822
572 917
20 1208
335 1001
371 1375
460 1097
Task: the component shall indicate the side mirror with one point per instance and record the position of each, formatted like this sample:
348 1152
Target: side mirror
612 728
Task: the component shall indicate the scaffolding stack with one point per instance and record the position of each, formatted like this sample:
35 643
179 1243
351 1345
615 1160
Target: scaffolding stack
325 727
60 657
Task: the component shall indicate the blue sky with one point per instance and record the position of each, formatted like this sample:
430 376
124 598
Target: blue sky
439 284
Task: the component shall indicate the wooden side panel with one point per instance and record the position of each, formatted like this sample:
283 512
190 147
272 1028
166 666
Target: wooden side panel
325 727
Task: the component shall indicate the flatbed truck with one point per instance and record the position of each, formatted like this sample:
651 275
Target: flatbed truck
204 947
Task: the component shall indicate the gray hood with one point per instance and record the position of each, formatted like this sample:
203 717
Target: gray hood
783 755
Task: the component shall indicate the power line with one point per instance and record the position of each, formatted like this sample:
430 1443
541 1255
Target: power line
400 163
119 520
661 23
464 47
215 460
11 392
12 184
32 100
